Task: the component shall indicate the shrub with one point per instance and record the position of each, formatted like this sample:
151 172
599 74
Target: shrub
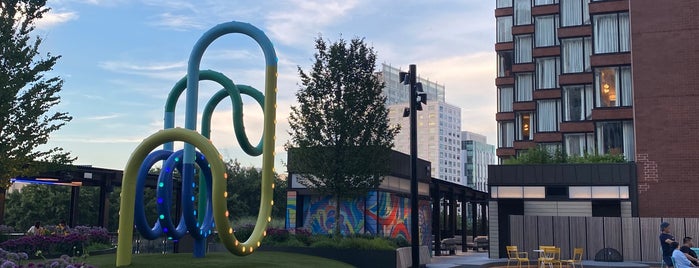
540 155
303 236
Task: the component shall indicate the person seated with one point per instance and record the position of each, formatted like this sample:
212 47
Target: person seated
686 248
680 260
36 229
61 228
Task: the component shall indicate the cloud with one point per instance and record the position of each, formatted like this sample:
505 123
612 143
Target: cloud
308 19
103 117
98 140
54 18
171 71
177 22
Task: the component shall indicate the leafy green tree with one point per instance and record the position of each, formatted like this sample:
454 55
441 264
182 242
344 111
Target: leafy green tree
244 191
340 132
28 95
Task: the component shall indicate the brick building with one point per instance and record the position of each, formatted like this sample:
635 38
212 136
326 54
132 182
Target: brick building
614 76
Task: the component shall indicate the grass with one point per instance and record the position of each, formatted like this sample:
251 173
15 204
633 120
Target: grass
257 259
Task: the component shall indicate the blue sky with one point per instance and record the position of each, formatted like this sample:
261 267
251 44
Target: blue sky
121 57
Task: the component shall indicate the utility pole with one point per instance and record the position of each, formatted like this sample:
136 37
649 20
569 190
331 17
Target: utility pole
417 98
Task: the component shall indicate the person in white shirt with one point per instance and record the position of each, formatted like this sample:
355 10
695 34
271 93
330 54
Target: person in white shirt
681 260
36 229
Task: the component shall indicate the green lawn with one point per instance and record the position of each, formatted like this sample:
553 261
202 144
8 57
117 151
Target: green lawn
257 259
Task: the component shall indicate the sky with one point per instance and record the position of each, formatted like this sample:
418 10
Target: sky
120 58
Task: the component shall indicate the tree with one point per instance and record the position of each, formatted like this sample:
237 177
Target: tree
340 132
27 95
243 186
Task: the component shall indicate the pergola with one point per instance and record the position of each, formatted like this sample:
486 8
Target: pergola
81 176
445 195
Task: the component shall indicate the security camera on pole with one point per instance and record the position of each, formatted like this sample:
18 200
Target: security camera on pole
417 98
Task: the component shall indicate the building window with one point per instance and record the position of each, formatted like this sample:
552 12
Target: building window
575 53
611 33
616 137
548 115
545 30
504 63
577 102
504 29
523 12
523 48
613 86
579 144
525 130
503 3
575 12
524 83
505 96
506 134
545 2
547 72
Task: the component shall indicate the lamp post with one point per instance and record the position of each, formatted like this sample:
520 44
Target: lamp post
417 98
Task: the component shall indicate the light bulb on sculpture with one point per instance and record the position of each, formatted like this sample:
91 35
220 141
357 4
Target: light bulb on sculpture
605 88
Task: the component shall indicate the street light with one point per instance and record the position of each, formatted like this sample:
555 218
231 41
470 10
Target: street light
417 98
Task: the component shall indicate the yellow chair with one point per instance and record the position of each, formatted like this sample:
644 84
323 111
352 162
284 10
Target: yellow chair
513 255
552 256
577 258
542 255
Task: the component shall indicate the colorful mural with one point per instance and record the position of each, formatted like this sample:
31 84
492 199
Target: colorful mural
291 210
380 213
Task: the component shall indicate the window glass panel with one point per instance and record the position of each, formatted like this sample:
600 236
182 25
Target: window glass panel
624 36
523 85
629 142
523 48
505 96
606 33
572 54
545 29
524 127
607 83
548 115
523 12
510 192
586 54
547 73
545 2
504 29
571 13
610 138
605 192
577 103
579 144
579 192
586 12
534 192
504 63
506 131
626 86
503 3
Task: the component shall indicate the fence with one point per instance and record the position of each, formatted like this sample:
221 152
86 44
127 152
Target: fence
635 238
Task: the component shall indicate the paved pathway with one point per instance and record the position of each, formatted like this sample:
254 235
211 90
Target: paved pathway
480 259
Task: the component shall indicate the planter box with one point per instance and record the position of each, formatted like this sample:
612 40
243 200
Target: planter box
355 257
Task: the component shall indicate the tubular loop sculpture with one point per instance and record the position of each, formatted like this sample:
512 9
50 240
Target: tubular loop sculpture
200 157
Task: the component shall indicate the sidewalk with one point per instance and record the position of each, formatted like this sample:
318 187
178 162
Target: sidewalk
480 259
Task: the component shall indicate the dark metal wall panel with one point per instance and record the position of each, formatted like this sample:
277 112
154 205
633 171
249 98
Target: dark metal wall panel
531 241
595 238
631 239
562 174
650 244
561 236
612 233
517 231
578 234
545 228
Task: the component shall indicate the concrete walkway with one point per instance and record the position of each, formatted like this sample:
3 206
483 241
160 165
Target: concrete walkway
480 259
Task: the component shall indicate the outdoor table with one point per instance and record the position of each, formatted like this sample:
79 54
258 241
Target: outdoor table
542 255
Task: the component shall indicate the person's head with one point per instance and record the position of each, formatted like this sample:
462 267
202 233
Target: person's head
665 227
674 244
37 224
687 241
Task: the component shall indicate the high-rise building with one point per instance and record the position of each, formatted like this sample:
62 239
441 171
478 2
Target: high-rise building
439 125
438 135
604 76
476 155
397 93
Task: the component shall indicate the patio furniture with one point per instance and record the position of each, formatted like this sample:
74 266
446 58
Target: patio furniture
577 257
513 255
541 257
551 256
449 245
481 242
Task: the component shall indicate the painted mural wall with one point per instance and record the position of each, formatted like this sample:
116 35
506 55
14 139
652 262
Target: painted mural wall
378 213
